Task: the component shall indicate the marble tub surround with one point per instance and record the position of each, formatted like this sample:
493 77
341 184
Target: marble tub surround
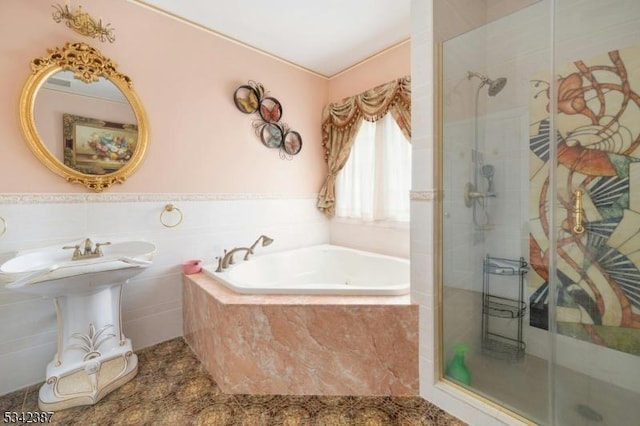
302 344
172 388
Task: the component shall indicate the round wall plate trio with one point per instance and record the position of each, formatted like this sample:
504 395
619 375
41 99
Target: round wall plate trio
250 99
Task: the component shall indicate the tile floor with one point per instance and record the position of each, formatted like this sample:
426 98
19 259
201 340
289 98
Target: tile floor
524 388
172 388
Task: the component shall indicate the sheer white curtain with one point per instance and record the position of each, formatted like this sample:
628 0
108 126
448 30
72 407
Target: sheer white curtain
374 184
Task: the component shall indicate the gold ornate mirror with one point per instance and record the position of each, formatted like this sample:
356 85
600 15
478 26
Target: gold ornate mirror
81 117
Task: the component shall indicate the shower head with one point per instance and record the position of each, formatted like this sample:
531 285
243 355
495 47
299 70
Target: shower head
265 242
495 86
487 171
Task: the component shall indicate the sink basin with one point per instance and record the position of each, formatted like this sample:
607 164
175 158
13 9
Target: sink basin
93 357
50 271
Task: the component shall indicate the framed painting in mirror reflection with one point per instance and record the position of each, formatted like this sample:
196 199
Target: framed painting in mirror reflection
95 146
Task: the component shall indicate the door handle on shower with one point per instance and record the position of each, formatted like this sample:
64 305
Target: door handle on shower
578 228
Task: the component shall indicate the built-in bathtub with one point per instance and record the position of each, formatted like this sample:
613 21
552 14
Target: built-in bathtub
301 343
322 269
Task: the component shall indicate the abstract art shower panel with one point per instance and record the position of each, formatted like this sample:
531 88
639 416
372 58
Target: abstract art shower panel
598 154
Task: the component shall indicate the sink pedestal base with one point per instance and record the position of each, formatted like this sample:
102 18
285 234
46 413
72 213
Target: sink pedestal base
89 385
93 356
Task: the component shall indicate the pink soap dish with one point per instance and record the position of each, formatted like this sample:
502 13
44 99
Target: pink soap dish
192 266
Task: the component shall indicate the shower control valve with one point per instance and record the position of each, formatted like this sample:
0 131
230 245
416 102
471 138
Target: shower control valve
471 194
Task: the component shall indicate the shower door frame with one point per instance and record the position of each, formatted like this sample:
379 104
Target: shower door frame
438 247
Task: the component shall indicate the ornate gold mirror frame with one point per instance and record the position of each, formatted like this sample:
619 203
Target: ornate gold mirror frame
87 65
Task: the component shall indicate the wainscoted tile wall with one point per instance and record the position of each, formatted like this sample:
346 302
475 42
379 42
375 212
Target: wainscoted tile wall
152 304
391 239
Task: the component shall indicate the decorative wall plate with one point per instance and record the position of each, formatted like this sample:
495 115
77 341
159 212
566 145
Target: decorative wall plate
246 99
292 142
271 135
270 109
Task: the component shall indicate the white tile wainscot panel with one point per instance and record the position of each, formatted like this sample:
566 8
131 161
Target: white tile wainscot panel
390 239
152 301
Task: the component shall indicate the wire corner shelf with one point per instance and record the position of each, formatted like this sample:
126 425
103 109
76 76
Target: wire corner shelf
503 302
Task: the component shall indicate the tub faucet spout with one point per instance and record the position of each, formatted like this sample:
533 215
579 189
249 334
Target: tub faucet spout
228 258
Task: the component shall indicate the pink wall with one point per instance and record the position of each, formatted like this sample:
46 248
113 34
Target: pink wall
387 66
185 77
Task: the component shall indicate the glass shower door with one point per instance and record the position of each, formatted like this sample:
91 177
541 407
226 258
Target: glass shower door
595 309
540 154
486 124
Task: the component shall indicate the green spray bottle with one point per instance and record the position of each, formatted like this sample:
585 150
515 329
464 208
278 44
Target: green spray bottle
457 369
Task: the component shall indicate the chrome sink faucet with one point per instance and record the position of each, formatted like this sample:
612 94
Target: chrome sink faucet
88 250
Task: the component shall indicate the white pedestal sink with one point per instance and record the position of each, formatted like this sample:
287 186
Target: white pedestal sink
93 355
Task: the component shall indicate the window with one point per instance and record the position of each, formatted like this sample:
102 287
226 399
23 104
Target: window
374 184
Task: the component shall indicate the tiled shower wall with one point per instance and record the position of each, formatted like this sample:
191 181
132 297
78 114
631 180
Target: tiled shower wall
152 301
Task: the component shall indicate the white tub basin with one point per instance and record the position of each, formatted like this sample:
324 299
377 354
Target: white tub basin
323 269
